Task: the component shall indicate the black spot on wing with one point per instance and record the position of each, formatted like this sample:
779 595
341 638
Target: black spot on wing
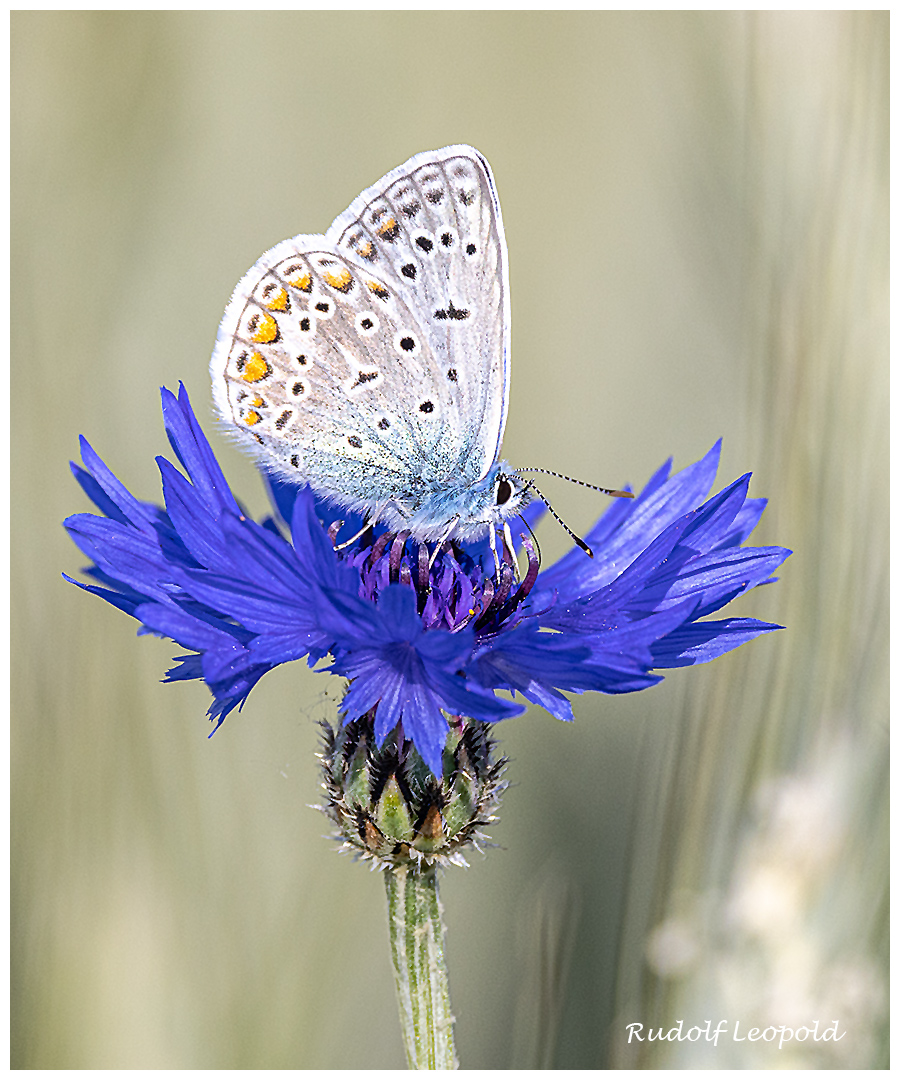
452 312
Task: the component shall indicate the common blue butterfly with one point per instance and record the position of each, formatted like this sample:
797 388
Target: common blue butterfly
373 362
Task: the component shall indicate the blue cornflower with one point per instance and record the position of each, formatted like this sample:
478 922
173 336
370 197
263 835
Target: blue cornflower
421 638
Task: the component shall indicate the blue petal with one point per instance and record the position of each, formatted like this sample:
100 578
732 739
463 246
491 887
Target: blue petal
195 525
636 521
194 452
134 511
745 522
124 602
96 494
122 552
282 493
701 642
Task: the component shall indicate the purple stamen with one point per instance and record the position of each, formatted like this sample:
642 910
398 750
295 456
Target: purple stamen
397 548
379 547
424 586
526 585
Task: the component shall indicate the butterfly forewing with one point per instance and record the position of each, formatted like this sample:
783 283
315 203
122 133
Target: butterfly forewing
435 226
374 358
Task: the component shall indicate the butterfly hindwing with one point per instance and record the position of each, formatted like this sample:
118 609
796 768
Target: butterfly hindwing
328 371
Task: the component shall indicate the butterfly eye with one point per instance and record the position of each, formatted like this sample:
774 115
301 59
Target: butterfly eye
504 491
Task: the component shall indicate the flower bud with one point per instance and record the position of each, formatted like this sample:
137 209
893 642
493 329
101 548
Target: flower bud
388 805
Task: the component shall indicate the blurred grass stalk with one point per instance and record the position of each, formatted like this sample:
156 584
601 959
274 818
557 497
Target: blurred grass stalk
764 899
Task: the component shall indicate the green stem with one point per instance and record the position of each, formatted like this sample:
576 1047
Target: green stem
417 949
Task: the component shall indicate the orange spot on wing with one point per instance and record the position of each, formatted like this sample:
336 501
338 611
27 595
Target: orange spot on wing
338 279
300 278
263 328
388 230
255 368
276 297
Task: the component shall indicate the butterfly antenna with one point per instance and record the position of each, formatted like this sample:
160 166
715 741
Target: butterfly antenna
575 537
562 476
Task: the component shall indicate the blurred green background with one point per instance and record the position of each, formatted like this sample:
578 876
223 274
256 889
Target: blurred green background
696 212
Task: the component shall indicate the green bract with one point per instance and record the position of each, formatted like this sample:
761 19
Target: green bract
391 809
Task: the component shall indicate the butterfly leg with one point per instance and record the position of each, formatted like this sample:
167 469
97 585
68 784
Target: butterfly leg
508 541
367 524
443 540
493 535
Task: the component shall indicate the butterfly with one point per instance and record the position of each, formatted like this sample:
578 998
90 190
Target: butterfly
373 362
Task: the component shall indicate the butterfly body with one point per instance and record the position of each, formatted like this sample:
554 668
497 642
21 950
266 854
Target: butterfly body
373 362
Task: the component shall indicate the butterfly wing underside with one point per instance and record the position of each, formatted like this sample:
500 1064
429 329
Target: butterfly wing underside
375 358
